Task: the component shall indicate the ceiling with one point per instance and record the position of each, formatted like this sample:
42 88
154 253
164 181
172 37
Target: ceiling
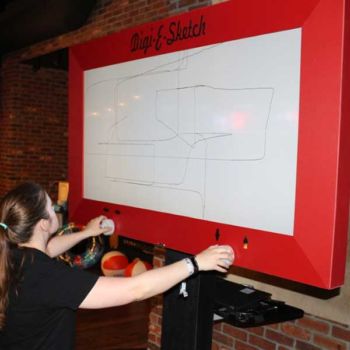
26 22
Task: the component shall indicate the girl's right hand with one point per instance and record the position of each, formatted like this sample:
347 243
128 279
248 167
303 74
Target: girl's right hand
217 257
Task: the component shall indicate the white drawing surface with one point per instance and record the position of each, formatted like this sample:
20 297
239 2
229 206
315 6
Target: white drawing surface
208 133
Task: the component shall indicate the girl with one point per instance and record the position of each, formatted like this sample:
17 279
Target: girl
39 295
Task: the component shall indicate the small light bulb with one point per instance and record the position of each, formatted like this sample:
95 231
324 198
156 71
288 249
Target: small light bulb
245 242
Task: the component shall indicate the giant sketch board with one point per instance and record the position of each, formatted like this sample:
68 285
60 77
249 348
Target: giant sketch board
227 124
206 133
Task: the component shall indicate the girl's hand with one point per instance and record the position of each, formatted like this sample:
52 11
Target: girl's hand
93 227
217 257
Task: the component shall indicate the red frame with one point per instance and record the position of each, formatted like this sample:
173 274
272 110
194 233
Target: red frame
316 253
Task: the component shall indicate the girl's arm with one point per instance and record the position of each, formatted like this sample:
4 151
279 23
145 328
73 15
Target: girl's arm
60 244
114 291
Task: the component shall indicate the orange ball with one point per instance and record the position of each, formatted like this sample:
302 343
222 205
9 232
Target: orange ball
137 267
114 263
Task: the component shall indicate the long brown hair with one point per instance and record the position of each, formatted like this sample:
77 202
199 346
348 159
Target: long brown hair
20 211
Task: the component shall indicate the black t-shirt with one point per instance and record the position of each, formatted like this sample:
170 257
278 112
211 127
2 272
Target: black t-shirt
41 311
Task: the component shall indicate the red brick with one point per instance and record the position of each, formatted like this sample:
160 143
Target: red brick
243 346
235 332
183 3
341 333
274 326
279 338
256 330
154 329
314 324
157 263
152 346
155 319
300 345
329 343
151 337
223 339
261 343
295 331
218 326
214 346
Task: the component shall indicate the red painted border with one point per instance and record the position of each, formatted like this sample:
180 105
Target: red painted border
316 253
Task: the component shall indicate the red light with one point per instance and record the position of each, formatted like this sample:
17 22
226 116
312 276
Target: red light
238 120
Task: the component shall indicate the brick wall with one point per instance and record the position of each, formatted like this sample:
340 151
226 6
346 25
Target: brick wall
155 316
308 333
33 146
33 121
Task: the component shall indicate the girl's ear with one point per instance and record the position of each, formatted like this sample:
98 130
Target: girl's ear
44 224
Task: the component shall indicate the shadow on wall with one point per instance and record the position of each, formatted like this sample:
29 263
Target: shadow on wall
285 284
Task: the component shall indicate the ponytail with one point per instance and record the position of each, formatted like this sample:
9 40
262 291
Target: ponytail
20 211
4 272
